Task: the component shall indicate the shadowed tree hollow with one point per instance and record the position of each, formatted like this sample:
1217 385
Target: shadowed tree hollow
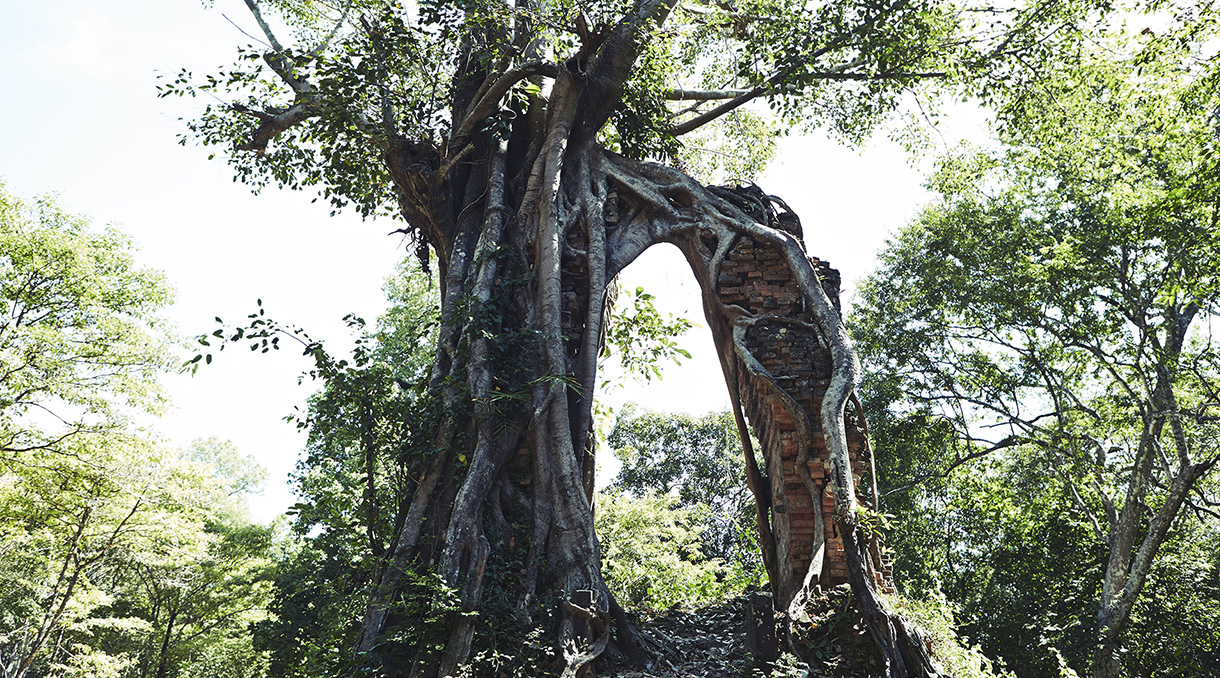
519 141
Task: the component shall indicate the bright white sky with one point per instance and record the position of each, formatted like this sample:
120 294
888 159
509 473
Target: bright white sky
79 118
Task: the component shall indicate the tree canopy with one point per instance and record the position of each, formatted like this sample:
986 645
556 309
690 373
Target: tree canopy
1054 307
118 556
323 112
81 337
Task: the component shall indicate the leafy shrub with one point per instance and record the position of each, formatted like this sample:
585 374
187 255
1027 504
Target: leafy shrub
700 461
651 553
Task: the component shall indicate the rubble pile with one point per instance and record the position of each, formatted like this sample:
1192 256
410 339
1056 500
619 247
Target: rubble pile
828 641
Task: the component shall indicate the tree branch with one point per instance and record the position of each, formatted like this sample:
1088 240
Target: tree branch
1101 534
242 30
487 104
679 94
1107 503
274 124
765 88
335 31
1010 441
704 118
258 17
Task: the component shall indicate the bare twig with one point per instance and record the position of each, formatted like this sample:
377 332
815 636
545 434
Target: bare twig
763 89
243 31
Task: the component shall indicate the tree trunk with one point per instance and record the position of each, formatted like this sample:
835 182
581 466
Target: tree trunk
1134 539
60 596
163 656
523 291
1106 660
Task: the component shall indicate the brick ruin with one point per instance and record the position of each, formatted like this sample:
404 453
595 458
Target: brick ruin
797 360
777 366
778 382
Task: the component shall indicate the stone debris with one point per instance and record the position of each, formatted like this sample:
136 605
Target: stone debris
830 640
709 642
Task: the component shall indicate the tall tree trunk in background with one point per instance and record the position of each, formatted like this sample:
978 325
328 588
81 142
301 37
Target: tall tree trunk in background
163 655
1135 534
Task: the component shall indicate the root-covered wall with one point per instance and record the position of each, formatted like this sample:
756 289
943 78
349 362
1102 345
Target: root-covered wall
786 344
791 373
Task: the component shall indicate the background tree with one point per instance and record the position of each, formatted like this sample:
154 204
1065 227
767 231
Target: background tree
70 518
1055 304
700 462
80 338
118 563
653 553
76 347
365 424
200 599
511 138
998 537
117 556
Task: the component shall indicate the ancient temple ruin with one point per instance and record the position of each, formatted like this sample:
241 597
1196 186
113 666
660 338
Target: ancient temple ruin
778 382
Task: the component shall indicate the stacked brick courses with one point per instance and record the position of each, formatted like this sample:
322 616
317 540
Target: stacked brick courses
784 340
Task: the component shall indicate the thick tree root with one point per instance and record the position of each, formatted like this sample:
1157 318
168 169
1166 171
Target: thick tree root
630 640
903 649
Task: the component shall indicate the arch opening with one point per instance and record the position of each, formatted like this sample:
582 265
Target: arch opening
777 365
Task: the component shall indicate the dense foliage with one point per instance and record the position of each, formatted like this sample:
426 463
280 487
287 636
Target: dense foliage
80 339
699 462
410 62
118 557
366 423
654 555
1044 367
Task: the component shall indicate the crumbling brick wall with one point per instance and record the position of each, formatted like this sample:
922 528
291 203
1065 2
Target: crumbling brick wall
796 370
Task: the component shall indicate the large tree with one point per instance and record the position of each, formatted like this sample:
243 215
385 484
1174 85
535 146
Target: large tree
79 329
77 351
512 138
1059 298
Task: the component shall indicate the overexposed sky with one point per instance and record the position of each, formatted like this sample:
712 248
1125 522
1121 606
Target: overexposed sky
79 118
